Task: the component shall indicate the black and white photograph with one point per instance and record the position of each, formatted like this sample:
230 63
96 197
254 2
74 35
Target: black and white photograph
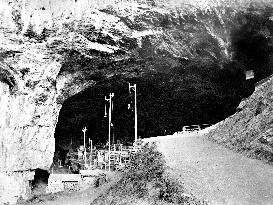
136 102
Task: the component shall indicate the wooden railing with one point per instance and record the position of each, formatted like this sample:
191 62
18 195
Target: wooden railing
263 81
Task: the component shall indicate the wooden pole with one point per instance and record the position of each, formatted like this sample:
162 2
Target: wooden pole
135 114
91 147
111 95
109 134
84 131
91 151
134 88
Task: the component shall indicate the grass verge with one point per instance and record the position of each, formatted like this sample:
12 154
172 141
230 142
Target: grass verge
146 181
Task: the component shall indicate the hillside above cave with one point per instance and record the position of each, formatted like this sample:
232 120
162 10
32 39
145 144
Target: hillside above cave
79 43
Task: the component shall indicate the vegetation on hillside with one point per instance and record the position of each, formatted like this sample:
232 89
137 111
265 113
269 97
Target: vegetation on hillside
250 130
146 181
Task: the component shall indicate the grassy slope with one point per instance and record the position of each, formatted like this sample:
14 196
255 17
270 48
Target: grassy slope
146 182
241 132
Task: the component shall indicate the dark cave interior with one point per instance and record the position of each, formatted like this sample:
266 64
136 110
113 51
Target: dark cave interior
165 103
193 92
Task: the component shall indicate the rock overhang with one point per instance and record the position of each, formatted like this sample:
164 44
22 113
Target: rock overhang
53 51
112 33
107 30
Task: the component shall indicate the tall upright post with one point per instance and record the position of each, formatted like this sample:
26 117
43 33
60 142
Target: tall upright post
134 88
135 115
84 131
91 148
91 151
111 95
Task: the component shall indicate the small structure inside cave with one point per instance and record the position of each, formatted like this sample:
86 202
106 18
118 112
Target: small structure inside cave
249 74
78 173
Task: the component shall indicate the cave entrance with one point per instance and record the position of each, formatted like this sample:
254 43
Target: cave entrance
166 102
87 109
40 182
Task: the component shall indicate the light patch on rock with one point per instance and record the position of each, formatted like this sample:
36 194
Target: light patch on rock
11 188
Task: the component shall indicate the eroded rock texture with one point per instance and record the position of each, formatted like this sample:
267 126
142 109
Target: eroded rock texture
29 113
51 50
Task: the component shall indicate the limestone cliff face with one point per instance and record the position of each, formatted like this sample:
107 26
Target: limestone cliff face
28 112
51 50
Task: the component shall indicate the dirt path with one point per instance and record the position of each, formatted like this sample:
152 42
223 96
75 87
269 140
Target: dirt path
217 174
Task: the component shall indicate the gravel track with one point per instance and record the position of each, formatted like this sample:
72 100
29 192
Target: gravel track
219 175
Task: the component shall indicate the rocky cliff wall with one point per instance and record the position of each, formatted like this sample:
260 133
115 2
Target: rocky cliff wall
28 116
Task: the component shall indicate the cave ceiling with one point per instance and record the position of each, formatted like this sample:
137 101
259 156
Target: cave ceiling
66 47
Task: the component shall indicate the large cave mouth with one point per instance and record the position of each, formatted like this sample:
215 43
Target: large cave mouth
252 43
192 94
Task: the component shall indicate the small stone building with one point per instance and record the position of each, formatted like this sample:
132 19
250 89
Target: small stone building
64 182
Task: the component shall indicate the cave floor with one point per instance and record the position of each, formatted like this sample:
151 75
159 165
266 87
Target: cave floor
214 173
84 197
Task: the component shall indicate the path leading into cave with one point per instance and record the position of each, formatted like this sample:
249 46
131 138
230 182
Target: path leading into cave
212 172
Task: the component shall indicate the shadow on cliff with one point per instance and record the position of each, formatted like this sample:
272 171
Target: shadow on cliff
252 43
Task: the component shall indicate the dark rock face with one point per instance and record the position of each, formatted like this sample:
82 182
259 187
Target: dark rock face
51 51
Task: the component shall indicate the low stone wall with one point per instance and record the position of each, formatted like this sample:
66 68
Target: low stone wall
75 182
